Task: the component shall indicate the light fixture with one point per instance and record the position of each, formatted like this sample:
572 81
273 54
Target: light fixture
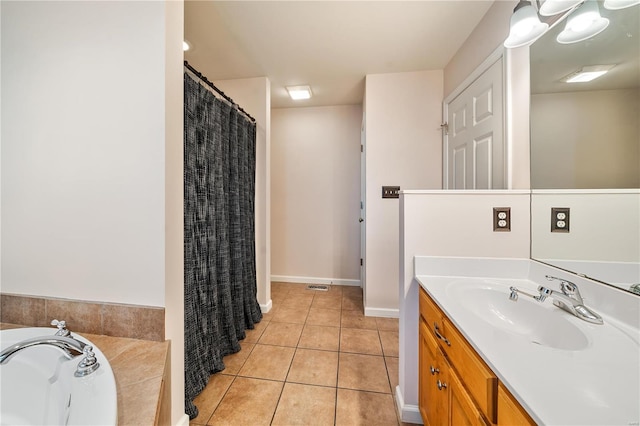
554 7
584 23
525 26
185 45
619 4
588 73
299 92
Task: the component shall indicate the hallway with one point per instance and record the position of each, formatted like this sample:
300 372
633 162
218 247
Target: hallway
314 359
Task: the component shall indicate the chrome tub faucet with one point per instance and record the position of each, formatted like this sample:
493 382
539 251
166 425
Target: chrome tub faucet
70 347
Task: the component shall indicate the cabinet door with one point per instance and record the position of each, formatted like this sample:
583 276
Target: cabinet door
510 412
432 398
462 410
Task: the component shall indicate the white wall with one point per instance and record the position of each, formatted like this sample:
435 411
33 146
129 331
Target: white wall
92 166
174 203
604 225
315 178
403 147
83 144
254 96
448 223
596 144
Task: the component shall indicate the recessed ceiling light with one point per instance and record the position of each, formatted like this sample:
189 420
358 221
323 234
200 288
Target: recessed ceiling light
588 73
299 92
185 45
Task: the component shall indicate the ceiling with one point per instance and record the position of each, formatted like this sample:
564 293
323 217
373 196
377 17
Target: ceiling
330 45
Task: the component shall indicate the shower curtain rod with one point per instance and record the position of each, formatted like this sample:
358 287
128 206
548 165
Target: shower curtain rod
220 92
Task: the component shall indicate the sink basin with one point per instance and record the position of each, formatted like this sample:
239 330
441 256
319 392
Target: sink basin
540 323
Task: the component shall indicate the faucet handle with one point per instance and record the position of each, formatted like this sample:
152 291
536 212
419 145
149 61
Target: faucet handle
62 327
544 293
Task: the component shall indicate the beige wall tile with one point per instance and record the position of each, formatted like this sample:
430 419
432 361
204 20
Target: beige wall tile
23 310
81 317
133 321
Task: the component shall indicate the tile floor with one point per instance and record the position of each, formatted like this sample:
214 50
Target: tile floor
315 359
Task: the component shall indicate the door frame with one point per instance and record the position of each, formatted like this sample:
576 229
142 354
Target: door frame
497 54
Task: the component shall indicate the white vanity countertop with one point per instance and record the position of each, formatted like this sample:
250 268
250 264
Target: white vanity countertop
594 379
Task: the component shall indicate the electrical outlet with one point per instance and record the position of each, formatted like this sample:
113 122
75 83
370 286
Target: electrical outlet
502 219
560 219
390 192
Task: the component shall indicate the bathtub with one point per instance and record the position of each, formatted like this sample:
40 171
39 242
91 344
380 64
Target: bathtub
38 386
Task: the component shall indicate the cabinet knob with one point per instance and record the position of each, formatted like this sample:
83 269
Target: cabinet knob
441 385
433 370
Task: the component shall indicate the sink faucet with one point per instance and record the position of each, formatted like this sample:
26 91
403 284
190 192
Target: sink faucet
569 299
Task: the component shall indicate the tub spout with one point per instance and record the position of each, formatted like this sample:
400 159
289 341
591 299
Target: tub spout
68 345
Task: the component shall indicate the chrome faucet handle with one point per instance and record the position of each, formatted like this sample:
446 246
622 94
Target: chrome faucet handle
62 328
544 293
88 364
568 288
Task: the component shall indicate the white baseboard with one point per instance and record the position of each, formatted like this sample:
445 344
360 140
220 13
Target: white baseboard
408 413
266 307
314 280
183 420
381 312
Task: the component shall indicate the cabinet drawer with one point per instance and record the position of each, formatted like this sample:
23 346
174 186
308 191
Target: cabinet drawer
479 380
431 314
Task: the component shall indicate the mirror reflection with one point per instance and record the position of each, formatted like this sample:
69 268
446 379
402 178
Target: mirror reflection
585 151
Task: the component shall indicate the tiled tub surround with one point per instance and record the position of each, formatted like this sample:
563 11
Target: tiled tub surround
142 370
109 319
599 384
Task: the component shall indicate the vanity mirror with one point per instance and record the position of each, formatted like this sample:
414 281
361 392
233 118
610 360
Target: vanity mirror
585 151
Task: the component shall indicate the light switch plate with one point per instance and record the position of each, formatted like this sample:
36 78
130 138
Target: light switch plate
502 219
390 192
560 219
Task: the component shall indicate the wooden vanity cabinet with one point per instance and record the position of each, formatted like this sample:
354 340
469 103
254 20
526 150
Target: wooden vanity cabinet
456 387
509 411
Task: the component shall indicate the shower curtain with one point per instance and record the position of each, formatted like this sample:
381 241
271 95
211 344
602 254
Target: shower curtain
219 234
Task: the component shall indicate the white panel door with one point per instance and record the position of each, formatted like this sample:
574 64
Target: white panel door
474 143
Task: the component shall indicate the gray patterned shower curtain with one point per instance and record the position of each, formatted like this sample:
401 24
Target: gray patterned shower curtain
219 234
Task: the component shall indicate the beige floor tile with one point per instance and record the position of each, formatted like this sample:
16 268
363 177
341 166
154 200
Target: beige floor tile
320 337
390 342
297 300
362 372
360 341
356 319
281 334
364 408
306 405
295 315
392 371
352 303
268 362
234 362
326 317
327 301
387 324
313 367
207 401
252 336
248 402
349 290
